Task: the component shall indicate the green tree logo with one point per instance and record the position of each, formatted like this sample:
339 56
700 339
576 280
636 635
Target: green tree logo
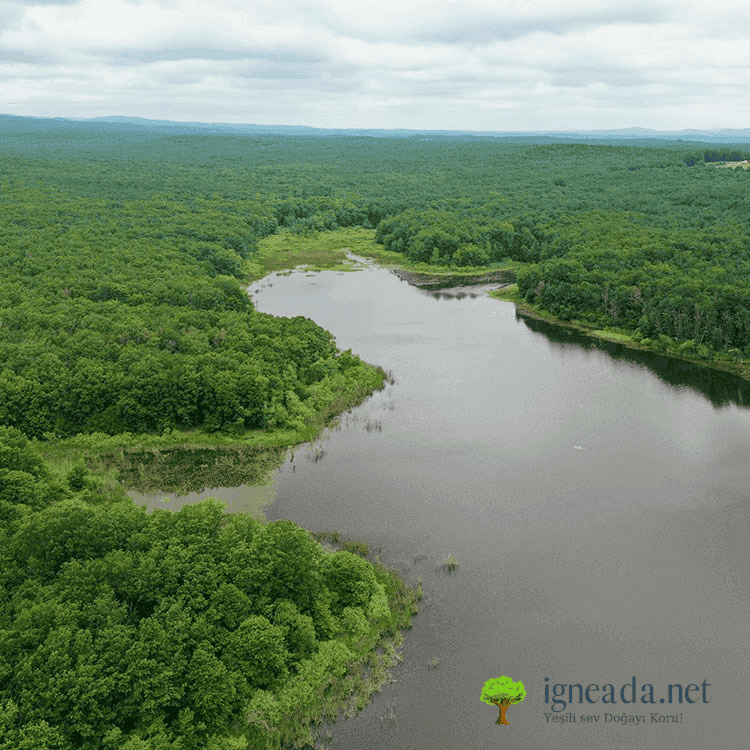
501 692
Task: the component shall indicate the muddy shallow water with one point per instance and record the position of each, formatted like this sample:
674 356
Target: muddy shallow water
599 513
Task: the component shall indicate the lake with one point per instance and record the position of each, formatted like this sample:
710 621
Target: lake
597 502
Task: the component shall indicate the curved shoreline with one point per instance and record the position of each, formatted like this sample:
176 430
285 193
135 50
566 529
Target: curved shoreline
507 277
524 310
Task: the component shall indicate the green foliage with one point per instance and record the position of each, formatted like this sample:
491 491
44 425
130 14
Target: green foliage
356 547
125 630
669 285
26 484
17 454
157 336
378 608
77 478
102 335
122 312
465 236
450 563
354 622
500 689
350 579
299 637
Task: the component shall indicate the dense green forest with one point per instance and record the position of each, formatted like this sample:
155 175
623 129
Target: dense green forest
123 310
132 317
650 237
170 631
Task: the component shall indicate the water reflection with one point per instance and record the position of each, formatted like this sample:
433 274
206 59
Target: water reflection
599 514
460 292
250 499
718 387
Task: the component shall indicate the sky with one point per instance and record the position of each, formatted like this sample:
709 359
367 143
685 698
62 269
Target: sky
440 65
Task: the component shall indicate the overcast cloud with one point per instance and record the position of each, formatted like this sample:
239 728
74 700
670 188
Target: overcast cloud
477 65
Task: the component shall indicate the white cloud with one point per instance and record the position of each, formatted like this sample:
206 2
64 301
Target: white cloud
393 63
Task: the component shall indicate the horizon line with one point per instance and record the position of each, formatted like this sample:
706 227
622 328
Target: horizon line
579 130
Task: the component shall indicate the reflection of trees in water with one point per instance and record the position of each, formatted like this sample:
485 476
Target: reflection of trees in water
454 294
365 422
720 388
389 712
314 451
191 469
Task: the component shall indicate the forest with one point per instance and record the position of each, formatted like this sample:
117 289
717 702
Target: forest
106 311
196 629
123 312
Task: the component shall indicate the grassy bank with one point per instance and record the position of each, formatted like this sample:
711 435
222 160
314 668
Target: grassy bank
390 259
316 251
273 630
342 678
328 251
189 461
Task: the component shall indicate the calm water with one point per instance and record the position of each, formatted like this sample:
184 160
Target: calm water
598 510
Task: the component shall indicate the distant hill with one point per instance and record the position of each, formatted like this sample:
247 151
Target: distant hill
117 123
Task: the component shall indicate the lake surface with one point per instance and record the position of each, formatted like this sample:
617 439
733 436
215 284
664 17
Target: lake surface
599 512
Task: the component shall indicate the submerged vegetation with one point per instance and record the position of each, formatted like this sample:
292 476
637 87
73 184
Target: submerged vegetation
131 353
450 563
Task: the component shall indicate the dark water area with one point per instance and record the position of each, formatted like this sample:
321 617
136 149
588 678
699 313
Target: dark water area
719 389
597 503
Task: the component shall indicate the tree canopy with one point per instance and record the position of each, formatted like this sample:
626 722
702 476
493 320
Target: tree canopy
502 692
119 628
128 262
132 317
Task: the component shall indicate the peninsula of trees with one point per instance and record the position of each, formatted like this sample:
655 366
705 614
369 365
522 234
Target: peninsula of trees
170 631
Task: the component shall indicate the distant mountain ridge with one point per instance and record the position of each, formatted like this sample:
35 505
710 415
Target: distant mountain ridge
119 123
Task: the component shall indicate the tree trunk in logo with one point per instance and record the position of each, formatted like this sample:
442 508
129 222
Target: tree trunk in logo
503 707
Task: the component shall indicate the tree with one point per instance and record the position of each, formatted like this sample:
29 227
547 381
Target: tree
502 692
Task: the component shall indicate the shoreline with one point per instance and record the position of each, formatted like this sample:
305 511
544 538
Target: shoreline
524 310
434 282
506 281
195 458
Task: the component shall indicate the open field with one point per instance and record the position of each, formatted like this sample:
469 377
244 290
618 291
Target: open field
732 164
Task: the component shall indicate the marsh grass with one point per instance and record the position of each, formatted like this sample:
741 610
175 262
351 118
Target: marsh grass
357 547
190 461
319 251
334 541
613 334
450 563
315 251
184 469
181 462
509 293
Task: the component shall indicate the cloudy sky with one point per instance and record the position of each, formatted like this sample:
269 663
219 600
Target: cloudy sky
475 65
